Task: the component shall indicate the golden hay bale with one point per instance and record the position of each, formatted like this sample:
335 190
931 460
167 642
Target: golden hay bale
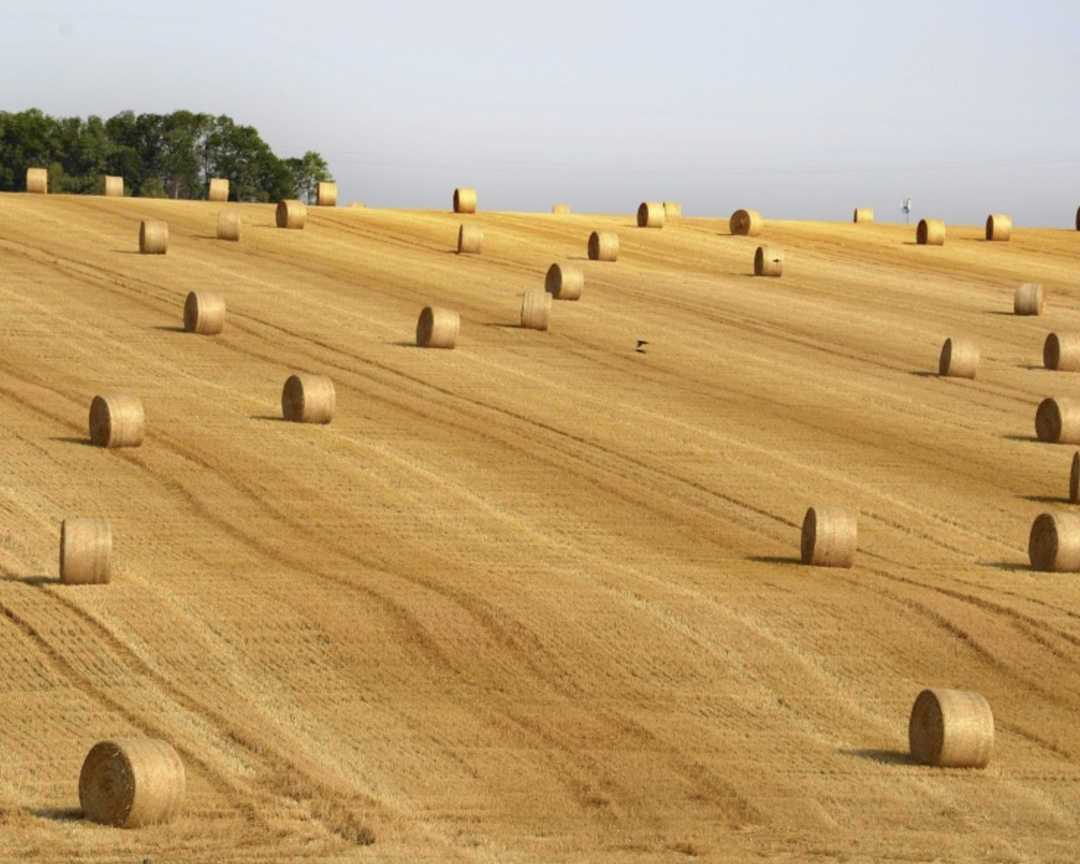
959 358
37 181
564 281
359 205
131 782
768 261
998 227
85 551
326 194
116 420
930 232
113 187
1058 421
308 398
219 189
650 214
204 312
603 246
470 239
536 310
291 213
1061 352
746 223
672 210
1074 479
437 327
1029 299
829 537
1054 543
560 209
951 729
464 200
228 225
153 237
864 214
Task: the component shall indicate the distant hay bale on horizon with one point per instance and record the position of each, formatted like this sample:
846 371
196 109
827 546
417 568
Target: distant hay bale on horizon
564 281
437 327
1061 352
37 181
132 782
204 313
1029 299
112 186
326 194
464 200
291 213
829 537
672 210
1054 543
1057 421
219 189
116 420
153 237
959 359
359 205
951 729
85 551
535 310
998 227
650 214
768 261
864 215
603 246
746 223
470 239
308 398
930 232
228 225
560 209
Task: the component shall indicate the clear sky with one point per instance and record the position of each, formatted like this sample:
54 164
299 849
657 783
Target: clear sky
801 109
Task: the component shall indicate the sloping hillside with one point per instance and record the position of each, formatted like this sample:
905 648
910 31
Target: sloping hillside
537 598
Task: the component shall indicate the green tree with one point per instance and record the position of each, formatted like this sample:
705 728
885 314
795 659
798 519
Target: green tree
26 141
307 173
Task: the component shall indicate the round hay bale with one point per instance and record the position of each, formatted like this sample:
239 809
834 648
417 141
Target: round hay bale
204 312
959 359
1029 299
116 420
219 189
672 210
864 214
650 214
326 194
291 213
153 237
829 537
37 181
85 551
560 209
1058 421
951 729
746 223
1054 543
1061 352
228 225
437 327
535 310
470 239
1074 479
357 204
998 227
930 232
308 398
131 782
464 200
603 246
768 261
564 281
113 187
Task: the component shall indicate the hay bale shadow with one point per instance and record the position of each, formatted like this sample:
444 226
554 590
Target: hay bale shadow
36 581
775 559
882 757
71 439
56 814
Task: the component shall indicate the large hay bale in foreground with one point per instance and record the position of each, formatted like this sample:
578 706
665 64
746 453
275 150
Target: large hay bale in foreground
116 420
470 239
930 232
951 729
650 214
959 359
535 310
132 782
746 223
1057 421
672 210
437 327
464 200
564 281
829 537
204 312
37 181
1061 352
112 187
1054 543
85 551
308 398
603 246
1029 299
228 225
153 237
998 227
291 213
768 261
864 215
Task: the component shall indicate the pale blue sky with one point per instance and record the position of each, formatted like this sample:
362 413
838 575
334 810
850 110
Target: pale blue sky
797 109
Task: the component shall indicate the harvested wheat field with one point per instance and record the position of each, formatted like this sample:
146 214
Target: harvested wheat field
538 598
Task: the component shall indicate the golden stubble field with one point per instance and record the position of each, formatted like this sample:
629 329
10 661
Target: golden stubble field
536 599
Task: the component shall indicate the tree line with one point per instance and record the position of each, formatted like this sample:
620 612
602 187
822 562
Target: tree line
158 155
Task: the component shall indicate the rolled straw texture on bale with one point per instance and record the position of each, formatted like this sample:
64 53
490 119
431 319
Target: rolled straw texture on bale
1054 543
437 327
153 237
85 551
560 209
746 223
464 200
1061 352
829 537
564 281
291 213
951 729
116 420
131 782
650 214
1029 299
603 246
113 187
672 210
1058 421
1074 479
204 312
998 227
959 359
930 232
326 194
307 398
37 181
219 189
228 225
536 310
470 239
768 261
864 214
